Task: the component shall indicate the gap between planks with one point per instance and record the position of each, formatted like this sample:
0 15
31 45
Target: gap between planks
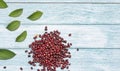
65 2
64 24
70 48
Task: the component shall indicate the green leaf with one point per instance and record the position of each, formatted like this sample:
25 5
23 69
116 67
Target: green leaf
16 13
3 4
35 16
21 37
14 25
6 54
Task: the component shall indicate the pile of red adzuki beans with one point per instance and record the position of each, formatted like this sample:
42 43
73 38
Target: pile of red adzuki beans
50 51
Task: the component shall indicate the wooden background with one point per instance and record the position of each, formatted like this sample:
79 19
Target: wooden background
94 24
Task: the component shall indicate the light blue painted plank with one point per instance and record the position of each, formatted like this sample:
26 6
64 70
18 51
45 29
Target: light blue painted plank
64 13
83 36
83 60
62 0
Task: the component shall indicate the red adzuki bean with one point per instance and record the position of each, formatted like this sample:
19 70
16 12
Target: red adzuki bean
69 34
29 55
21 68
38 69
4 67
46 28
26 51
77 49
31 68
50 51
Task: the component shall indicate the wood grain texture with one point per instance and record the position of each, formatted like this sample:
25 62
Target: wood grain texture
65 13
83 36
94 25
62 0
83 60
